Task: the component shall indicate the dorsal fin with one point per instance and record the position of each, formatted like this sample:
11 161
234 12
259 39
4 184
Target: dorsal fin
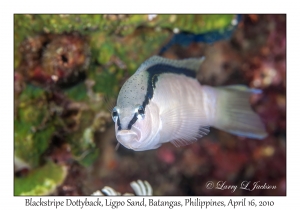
189 63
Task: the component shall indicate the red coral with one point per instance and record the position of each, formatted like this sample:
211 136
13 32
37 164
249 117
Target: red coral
50 60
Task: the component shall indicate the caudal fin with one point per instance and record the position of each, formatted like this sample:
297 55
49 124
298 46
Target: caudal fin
234 113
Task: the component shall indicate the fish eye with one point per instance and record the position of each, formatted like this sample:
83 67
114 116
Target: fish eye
114 114
141 111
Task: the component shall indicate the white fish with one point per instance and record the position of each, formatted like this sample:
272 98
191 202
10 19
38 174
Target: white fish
164 102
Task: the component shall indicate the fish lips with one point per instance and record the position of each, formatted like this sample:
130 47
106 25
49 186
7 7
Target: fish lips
129 138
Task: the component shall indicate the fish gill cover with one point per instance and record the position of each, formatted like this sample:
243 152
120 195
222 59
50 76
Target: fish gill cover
69 69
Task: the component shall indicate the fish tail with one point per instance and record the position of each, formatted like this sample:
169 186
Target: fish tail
234 113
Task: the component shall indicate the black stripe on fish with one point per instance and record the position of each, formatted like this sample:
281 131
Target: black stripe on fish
156 70
134 119
119 124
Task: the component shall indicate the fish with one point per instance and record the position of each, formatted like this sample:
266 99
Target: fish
164 102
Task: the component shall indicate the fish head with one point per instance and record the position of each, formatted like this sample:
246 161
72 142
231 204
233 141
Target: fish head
136 127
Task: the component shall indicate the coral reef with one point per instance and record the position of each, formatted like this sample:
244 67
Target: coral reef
69 69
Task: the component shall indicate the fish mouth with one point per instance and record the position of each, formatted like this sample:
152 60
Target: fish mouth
128 138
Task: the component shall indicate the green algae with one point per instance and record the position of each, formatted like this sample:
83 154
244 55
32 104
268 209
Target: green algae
40 181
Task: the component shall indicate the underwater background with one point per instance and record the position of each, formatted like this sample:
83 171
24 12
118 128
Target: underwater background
68 70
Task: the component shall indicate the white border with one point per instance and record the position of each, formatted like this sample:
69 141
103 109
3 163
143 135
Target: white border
8 8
